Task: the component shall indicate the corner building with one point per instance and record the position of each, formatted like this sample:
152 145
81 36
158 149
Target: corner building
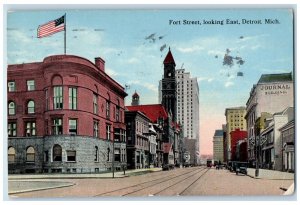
65 114
271 94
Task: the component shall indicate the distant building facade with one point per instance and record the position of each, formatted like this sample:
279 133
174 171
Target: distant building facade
235 119
271 94
288 146
159 121
65 114
138 143
218 152
270 144
236 137
241 151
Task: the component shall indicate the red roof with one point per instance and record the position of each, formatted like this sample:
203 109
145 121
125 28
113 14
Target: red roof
153 112
169 58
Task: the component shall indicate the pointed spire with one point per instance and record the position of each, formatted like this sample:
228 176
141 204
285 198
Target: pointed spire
135 94
169 58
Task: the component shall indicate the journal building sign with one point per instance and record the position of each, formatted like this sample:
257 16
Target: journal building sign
277 89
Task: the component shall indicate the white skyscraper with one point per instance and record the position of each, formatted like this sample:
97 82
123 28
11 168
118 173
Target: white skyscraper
187 105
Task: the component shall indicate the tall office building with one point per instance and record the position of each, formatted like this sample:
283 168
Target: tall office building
218 146
187 93
188 103
235 119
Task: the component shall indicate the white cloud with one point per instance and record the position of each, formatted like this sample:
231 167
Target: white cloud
228 84
216 52
133 60
209 80
149 86
111 72
255 47
190 49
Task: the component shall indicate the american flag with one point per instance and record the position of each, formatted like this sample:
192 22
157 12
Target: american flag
51 27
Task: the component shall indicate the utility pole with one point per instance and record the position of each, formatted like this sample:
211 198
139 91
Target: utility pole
113 159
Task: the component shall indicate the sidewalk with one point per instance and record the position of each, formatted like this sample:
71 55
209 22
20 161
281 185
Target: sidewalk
118 174
270 174
32 182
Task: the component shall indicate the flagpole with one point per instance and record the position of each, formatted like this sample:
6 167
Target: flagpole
65 41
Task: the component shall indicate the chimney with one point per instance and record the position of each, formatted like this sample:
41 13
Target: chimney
100 64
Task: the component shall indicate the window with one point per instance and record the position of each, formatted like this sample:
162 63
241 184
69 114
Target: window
30 107
118 114
117 155
57 153
71 156
12 129
30 153
108 132
46 156
73 126
95 104
96 154
47 99
30 129
107 109
11 86
11 155
123 135
58 97
30 85
11 108
96 131
73 98
117 135
57 126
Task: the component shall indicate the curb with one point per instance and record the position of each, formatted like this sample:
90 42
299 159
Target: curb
39 189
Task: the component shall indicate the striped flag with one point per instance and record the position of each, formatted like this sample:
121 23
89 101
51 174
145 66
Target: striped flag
51 27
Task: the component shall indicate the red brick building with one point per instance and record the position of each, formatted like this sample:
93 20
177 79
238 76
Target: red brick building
63 115
168 148
236 136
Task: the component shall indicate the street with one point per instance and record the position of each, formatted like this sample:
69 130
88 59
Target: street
196 181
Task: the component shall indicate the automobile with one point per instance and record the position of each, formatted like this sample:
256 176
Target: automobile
167 167
241 167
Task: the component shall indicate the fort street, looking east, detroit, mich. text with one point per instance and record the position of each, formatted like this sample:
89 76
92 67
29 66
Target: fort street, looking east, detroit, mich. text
223 21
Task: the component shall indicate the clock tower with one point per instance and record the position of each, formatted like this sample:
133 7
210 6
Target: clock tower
169 100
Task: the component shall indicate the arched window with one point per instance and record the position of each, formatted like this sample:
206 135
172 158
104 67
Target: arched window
30 107
11 155
11 108
57 153
30 153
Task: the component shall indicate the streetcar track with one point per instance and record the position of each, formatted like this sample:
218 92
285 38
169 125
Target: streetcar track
205 170
193 182
159 183
139 184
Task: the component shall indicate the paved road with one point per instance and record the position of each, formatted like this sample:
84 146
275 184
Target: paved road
196 181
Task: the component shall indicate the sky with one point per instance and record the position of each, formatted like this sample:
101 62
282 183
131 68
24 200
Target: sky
119 37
